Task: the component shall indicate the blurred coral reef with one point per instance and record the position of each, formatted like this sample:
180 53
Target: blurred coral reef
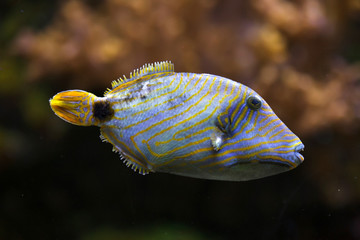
281 48
302 56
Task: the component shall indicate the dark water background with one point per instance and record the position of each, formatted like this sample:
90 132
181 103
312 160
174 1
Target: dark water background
58 181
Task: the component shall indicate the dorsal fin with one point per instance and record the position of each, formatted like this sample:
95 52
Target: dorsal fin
147 69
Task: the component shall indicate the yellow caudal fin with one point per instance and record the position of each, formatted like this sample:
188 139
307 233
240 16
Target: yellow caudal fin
74 106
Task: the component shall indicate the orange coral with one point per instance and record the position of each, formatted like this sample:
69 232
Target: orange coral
291 41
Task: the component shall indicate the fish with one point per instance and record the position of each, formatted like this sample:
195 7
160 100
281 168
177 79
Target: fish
189 124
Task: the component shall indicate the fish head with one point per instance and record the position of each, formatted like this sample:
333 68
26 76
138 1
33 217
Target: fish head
262 144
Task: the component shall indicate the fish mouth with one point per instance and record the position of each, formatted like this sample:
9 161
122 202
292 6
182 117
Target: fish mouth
299 148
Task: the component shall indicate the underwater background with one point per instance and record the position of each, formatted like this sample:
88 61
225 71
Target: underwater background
58 181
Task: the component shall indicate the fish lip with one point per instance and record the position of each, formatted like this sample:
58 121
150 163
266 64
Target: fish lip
299 148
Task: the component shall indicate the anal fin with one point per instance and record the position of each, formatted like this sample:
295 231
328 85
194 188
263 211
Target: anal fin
134 166
129 161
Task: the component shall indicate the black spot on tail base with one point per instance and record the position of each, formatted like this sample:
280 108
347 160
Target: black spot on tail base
102 110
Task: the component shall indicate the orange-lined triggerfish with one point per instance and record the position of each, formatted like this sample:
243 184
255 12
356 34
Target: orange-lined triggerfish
197 125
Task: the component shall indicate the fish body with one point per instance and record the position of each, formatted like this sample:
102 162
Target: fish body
197 125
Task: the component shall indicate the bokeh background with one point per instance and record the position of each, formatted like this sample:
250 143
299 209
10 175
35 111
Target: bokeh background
58 181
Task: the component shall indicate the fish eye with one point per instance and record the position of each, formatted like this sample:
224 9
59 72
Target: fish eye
254 102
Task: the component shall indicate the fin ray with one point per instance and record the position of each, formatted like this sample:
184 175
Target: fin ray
145 70
129 161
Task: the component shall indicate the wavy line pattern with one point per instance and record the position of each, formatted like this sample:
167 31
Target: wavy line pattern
165 123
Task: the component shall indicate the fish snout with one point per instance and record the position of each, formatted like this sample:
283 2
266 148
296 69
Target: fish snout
299 158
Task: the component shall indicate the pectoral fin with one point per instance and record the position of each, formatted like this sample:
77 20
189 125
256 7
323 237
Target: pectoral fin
217 139
221 133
